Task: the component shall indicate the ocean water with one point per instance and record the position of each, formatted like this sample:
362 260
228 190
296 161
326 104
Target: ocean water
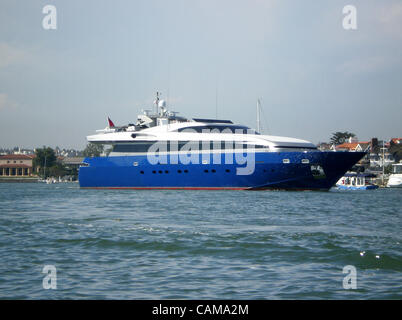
125 244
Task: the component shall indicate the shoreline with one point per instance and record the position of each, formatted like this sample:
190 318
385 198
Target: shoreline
33 179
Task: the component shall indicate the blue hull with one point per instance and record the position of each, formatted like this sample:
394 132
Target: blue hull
369 187
270 172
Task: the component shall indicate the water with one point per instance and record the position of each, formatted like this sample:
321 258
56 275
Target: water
124 244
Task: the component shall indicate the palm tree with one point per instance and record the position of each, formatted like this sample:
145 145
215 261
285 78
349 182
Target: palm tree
340 137
44 157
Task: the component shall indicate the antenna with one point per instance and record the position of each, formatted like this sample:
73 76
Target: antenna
216 103
157 102
259 111
168 88
258 115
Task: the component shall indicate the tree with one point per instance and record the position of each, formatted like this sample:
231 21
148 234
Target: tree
93 150
44 158
340 137
57 170
375 148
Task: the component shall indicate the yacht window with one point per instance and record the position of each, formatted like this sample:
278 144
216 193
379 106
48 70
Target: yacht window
213 145
133 147
218 129
296 147
174 146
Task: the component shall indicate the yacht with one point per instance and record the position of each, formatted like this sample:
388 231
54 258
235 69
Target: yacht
165 151
395 179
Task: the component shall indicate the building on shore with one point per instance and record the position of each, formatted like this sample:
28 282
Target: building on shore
16 165
354 146
72 162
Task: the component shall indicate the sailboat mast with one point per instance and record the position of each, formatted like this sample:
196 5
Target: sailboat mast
383 161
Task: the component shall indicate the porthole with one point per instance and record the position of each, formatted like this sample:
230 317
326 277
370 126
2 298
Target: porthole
179 171
286 161
166 171
135 164
213 170
186 171
142 172
206 171
133 136
160 171
227 170
153 171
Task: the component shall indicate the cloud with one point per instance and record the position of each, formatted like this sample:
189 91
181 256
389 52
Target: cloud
390 19
374 47
10 55
6 102
365 65
232 20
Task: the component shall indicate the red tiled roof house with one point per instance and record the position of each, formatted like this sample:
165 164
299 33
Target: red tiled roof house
16 165
353 146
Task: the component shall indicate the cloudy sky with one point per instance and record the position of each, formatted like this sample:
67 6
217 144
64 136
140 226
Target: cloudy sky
108 58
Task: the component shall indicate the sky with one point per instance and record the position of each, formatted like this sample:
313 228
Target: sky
208 58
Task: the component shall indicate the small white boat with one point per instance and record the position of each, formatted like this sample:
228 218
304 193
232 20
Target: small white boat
51 180
357 181
395 179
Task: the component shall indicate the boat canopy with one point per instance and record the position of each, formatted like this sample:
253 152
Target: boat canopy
366 175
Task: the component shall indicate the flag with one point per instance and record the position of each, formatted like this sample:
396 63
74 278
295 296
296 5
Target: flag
111 124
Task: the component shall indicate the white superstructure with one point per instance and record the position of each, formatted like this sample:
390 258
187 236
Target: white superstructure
163 125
